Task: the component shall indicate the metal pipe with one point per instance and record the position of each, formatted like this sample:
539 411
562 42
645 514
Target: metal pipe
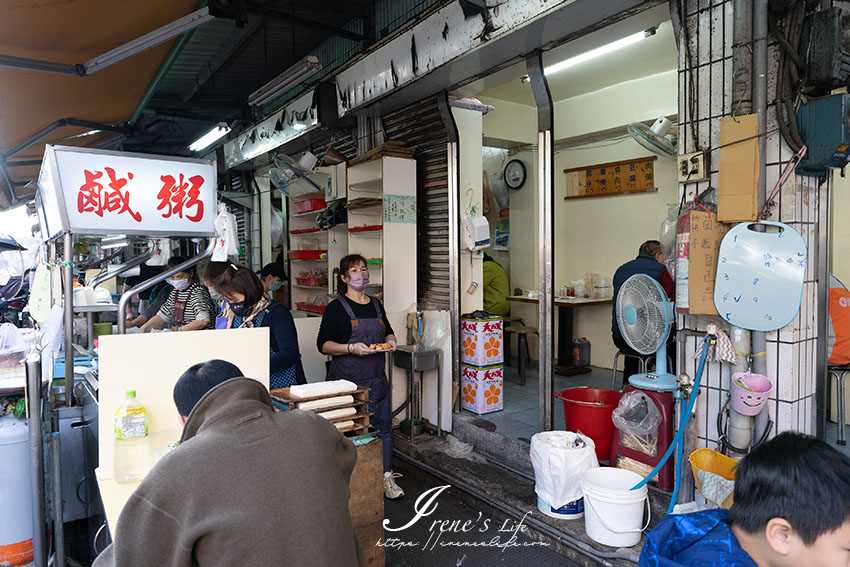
760 15
602 557
125 297
821 376
68 284
137 261
740 427
62 123
742 59
546 244
33 395
56 478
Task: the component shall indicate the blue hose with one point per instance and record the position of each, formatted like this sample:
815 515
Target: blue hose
683 421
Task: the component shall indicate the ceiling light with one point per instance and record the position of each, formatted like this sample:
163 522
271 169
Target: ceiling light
599 51
219 131
296 74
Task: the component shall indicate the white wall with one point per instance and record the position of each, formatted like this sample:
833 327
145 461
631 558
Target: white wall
840 237
469 126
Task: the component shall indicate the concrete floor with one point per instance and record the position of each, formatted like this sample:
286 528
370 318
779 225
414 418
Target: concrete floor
518 419
411 547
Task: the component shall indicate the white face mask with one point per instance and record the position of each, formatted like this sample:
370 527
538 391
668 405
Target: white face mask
216 295
179 285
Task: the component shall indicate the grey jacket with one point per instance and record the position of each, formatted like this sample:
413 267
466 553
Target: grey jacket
246 486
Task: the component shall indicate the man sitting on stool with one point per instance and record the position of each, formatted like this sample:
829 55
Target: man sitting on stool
650 262
246 486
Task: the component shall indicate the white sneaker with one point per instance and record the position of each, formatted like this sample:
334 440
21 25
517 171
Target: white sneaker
391 489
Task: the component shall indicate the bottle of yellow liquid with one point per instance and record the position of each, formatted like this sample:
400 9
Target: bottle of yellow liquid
131 454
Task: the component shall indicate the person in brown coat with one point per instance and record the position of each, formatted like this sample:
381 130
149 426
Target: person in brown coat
246 485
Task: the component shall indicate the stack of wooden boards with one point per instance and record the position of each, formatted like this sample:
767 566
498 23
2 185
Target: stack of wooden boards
341 402
388 149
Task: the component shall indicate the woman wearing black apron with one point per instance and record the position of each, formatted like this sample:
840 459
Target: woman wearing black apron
352 323
188 307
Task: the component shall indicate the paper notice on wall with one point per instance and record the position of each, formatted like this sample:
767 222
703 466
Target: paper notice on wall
737 193
399 208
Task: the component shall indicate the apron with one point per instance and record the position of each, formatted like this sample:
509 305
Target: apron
368 371
180 305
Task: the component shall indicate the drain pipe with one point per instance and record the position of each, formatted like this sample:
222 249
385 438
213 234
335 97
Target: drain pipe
742 57
759 338
740 427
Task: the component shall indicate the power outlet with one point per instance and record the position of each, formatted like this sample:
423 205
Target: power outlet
692 167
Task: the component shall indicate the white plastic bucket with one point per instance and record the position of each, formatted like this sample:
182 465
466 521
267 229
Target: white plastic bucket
570 511
613 513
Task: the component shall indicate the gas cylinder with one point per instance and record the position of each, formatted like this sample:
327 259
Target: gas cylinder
15 493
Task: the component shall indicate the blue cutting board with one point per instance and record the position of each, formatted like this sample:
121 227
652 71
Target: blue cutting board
760 276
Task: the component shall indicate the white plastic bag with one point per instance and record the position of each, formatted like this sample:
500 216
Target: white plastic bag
13 347
162 254
558 465
276 227
227 239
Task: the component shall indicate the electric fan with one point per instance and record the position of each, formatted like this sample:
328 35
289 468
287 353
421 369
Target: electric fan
644 316
287 171
654 138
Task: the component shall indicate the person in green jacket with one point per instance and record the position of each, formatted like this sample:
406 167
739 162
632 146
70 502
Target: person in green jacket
496 287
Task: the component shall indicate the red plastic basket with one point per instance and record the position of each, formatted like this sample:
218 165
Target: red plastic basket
309 205
312 282
306 254
302 306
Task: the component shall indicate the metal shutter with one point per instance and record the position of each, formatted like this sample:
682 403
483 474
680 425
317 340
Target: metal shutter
421 126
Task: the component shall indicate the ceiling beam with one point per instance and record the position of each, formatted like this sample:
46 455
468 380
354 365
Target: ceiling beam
235 43
273 14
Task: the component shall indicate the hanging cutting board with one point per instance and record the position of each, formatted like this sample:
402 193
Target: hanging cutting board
760 276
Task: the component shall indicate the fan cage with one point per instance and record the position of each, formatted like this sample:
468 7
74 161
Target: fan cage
652 324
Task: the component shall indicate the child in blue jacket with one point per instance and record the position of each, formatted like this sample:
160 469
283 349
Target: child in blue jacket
791 509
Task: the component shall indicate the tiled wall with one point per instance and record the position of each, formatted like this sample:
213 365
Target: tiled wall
791 351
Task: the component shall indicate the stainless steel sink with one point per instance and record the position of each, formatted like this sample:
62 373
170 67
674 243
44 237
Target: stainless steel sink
425 359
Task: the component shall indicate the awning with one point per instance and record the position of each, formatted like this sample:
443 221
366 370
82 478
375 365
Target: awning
72 32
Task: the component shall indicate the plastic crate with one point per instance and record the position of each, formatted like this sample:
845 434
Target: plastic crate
303 306
307 254
309 205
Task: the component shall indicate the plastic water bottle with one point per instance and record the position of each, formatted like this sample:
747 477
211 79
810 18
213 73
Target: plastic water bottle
132 451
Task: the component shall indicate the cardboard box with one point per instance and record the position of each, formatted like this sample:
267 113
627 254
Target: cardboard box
696 263
482 389
482 341
737 191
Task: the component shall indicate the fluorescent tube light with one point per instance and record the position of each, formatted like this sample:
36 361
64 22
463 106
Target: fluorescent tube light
598 52
114 242
219 131
296 74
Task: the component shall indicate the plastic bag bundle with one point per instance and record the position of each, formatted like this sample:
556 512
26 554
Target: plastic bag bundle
559 459
13 347
637 417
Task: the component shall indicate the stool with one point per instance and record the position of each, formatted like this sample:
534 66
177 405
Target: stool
522 348
641 365
506 320
839 372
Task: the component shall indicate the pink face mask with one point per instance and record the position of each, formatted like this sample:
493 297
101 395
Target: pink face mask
358 281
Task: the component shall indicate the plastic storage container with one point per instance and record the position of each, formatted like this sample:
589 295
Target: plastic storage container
132 452
589 410
308 254
581 352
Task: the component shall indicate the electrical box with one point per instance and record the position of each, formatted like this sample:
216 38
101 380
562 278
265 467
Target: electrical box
476 233
824 125
826 41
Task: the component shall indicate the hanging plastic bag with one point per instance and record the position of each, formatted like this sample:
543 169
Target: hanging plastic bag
667 236
436 328
162 254
226 242
13 347
637 417
559 459
276 227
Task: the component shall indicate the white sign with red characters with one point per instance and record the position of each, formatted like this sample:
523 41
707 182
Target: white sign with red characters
106 192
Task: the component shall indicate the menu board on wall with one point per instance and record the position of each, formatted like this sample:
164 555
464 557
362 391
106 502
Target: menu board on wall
615 178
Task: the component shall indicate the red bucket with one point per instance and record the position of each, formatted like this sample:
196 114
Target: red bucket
588 410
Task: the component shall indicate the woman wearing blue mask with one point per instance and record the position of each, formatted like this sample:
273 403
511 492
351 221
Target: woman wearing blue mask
188 307
351 325
272 277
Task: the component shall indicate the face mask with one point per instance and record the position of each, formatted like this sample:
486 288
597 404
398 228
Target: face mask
216 295
179 285
275 286
359 281
240 309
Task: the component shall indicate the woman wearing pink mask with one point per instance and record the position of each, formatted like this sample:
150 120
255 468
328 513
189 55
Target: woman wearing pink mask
352 323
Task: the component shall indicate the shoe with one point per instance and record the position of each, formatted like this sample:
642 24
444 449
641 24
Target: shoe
391 489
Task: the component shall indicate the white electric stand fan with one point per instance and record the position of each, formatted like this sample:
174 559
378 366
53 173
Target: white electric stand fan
644 316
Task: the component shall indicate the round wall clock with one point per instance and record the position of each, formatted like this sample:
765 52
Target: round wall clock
515 174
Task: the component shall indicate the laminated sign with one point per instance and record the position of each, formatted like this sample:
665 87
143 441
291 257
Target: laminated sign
89 191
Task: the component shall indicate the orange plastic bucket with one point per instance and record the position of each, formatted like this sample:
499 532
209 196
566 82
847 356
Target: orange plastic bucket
588 411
